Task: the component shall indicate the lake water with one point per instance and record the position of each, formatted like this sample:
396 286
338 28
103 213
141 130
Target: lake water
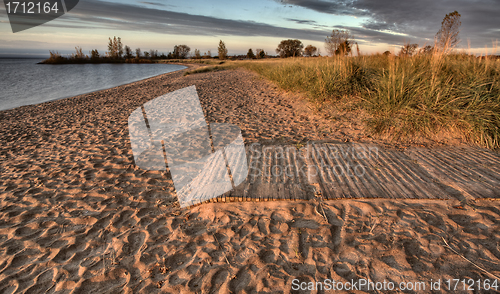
24 82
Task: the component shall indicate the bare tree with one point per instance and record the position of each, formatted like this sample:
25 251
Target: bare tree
447 37
138 53
222 50
310 50
197 54
115 48
339 42
153 54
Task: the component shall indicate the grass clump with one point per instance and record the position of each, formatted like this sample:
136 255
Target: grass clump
322 79
425 95
201 61
209 69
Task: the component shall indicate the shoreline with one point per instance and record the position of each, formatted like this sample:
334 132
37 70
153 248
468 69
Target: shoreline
76 214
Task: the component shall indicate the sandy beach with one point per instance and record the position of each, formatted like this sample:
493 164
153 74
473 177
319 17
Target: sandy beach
77 215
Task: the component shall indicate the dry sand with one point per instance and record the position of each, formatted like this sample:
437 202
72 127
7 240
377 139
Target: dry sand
77 216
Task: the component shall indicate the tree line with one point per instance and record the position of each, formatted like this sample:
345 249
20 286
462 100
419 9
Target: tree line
342 43
339 43
118 53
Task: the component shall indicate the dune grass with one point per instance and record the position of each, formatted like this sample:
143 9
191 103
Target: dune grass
201 61
210 68
406 97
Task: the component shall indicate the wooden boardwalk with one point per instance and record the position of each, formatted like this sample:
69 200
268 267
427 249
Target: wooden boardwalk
354 170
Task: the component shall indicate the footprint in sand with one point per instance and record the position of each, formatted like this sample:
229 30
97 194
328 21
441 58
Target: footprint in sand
241 280
135 242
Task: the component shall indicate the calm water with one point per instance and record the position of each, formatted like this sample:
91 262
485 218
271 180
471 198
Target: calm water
24 82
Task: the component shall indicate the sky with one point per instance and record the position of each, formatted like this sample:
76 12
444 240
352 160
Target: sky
377 26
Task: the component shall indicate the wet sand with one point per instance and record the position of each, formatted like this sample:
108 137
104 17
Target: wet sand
77 216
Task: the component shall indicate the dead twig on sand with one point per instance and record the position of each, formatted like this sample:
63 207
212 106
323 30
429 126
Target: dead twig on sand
373 227
323 214
477 266
225 257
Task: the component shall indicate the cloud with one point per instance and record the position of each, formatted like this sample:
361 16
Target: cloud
107 15
339 7
153 3
121 16
302 21
418 19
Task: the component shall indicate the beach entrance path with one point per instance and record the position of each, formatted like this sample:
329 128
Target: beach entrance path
356 170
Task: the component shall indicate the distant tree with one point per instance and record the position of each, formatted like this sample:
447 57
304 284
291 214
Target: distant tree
222 50
128 52
250 54
339 42
119 47
310 50
447 37
79 53
55 57
153 54
344 48
426 50
163 56
115 48
290 48
197 54
94 55
181 51
209 54
387 53
111 49
260 53
408 49
138 53
146 54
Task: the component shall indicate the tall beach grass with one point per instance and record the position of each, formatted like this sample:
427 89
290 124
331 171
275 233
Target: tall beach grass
407 97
